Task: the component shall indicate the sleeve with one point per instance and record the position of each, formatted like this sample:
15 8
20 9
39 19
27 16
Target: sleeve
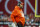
13 14
12 17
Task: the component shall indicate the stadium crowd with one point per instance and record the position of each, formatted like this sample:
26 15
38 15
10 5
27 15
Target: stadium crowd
29 19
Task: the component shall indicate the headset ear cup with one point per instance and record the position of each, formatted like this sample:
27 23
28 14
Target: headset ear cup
19 3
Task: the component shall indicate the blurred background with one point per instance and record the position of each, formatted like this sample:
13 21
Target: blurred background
7 6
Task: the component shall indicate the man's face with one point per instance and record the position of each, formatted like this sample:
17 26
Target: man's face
21 6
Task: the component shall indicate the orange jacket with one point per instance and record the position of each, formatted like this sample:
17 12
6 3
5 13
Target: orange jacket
17 15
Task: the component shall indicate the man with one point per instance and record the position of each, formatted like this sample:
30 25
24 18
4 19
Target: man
18 16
